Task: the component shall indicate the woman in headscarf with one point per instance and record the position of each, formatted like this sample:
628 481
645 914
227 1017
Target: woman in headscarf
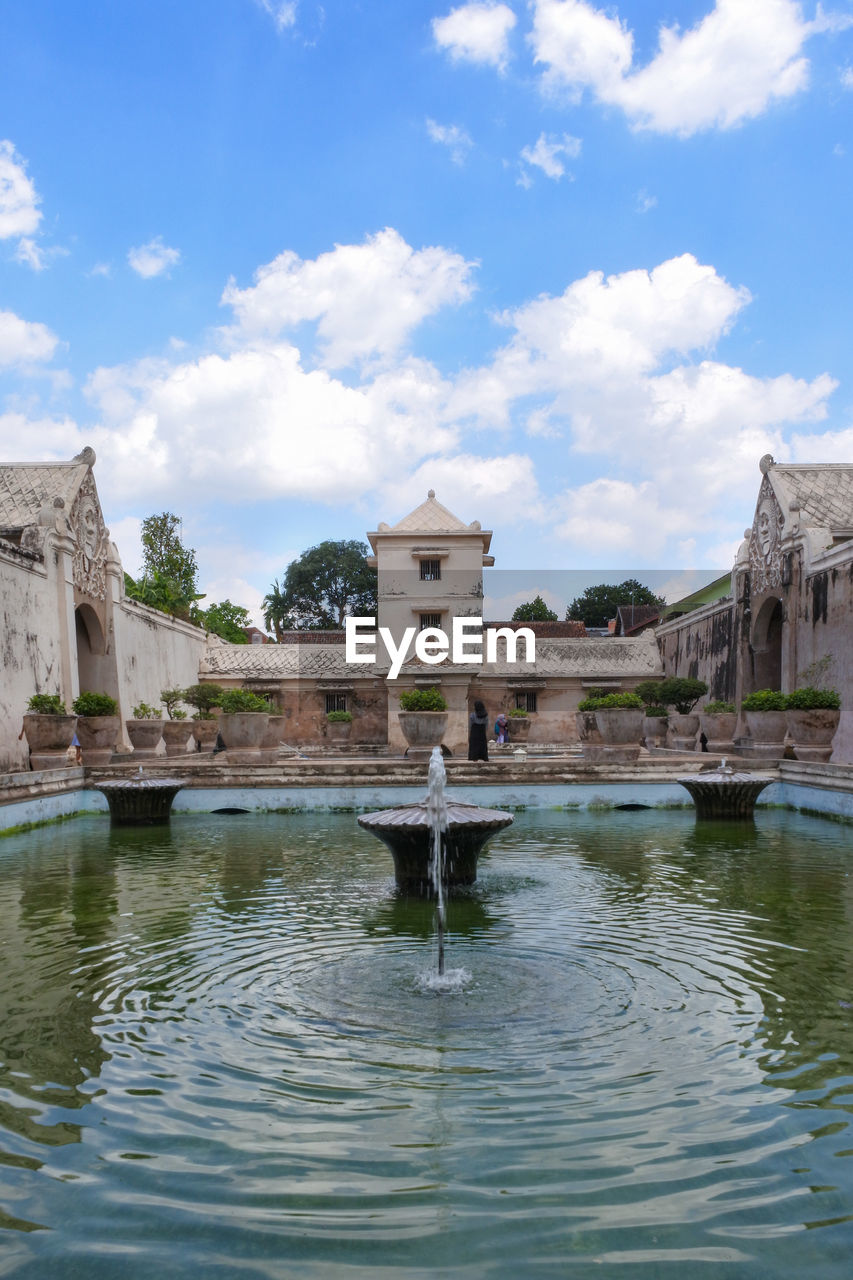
477 723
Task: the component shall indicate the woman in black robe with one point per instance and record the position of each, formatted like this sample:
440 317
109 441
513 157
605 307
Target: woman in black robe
477 722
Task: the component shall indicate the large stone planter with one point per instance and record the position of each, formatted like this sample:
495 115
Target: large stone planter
204 732
422 730
272 738
621 729
812 732
684 730
588 735
338 732
176 735
766 730
244 734
144 737
519 728
98 736
48 738
654 731
719 730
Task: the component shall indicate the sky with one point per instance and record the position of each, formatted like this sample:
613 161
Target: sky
288 266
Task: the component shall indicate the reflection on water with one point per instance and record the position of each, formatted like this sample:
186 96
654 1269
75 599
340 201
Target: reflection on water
221 1052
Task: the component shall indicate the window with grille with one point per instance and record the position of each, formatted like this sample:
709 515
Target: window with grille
525 701
336 702
430 620
430 571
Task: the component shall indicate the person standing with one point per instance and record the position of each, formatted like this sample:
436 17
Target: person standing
477 724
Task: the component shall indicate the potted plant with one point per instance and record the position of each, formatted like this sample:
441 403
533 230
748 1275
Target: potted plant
338 726
145 730
766 722
98 726
49 731
682 692
811 717
519 724
718 721
423 721
176 732
619 720
205 725
655 714
243 725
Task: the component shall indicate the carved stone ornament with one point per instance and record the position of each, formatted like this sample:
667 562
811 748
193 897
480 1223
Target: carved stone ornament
765 541
91 542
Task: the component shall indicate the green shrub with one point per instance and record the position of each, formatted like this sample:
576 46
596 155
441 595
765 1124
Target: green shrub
422 700
339 717
809 699
46 704
94 704
592 701
170 699
233 701
764 700
718 708
204 697
658 713
681 692
616 702
518 713
142 711
649 692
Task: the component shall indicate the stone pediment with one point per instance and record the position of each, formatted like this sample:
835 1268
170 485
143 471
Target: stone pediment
37 496
765 541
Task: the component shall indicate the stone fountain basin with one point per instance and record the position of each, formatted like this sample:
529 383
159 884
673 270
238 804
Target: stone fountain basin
136 802
408 834
724 793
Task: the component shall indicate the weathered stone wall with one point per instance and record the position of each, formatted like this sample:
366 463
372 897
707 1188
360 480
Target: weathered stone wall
153 652
701 645
31 655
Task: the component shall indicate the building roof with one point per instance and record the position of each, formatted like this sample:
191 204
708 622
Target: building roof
590 658
431 517
633 618
823 491
27 487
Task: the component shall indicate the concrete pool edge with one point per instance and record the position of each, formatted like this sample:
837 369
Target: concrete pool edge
35 799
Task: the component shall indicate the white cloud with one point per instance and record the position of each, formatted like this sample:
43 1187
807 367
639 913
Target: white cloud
847 78
645 202
23 342
19 212
451 136
476 33
365 298
549 152
31 254
24 438
153 259
282 12
728 68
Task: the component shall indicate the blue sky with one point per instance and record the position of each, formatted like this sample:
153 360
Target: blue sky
287 266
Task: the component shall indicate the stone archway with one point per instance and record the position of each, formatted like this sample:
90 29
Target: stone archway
95 665
766 644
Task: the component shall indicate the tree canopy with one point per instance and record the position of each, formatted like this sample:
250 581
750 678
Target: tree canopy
169 579
598 604
228 621
321 587
534 611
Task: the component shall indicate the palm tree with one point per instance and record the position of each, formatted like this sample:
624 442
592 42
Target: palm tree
276 611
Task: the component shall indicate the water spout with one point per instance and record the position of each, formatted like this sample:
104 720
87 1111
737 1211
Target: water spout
437 815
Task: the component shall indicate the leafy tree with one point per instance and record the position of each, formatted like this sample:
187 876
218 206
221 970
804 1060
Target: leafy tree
325 584
598 604
534 611
169 580
228 621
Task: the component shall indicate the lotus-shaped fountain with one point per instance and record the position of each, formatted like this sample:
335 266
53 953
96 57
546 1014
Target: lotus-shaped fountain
140 801
724 793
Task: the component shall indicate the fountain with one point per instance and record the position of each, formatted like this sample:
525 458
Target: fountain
139 801
724 793
410 830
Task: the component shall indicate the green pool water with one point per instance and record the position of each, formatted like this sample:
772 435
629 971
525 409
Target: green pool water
222 1053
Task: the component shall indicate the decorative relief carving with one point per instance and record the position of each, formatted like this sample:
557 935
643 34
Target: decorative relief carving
765 541
91 541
